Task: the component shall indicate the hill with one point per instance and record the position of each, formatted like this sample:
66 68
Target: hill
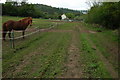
36 10
53 12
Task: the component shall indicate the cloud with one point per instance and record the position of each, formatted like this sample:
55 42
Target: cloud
2 1
70 4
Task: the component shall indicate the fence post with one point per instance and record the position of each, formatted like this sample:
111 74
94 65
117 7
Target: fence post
12 40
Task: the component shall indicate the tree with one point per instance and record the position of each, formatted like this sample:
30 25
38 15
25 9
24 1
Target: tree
70 15
105 14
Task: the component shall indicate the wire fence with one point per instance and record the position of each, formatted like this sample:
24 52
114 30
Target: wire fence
38 30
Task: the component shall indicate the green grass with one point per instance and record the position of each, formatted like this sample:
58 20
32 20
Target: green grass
112 35
93 67
65 26
101 45
41 23
53 64
55 50
52 45
44 54
104 41
21 50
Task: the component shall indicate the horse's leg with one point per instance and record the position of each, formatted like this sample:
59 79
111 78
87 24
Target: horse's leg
9 34
4 34
23 33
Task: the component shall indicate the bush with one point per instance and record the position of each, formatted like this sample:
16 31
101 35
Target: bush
105 14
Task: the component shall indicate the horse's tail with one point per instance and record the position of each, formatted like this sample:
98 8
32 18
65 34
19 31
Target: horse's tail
4 30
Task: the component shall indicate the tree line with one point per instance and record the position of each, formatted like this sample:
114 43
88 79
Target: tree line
24 9
106 14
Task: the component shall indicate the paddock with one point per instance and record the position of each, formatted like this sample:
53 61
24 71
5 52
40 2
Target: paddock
54 49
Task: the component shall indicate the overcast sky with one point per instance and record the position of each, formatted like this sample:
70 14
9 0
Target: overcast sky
71 4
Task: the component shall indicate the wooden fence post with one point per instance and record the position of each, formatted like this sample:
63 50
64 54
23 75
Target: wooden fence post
13 44
12 40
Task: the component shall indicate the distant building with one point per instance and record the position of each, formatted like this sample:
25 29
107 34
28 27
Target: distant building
64 17
84 11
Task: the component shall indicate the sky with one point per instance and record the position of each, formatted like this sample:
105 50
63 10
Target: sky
70 4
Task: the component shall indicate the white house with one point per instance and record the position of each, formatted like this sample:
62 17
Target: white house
63 17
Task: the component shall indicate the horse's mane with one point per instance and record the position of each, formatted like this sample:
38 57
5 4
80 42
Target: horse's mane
28 18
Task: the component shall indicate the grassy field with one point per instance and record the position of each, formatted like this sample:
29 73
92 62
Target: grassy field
69 50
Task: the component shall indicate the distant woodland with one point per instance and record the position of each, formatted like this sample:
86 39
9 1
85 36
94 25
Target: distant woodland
24 9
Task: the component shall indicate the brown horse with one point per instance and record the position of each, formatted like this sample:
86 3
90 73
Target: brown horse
16 25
